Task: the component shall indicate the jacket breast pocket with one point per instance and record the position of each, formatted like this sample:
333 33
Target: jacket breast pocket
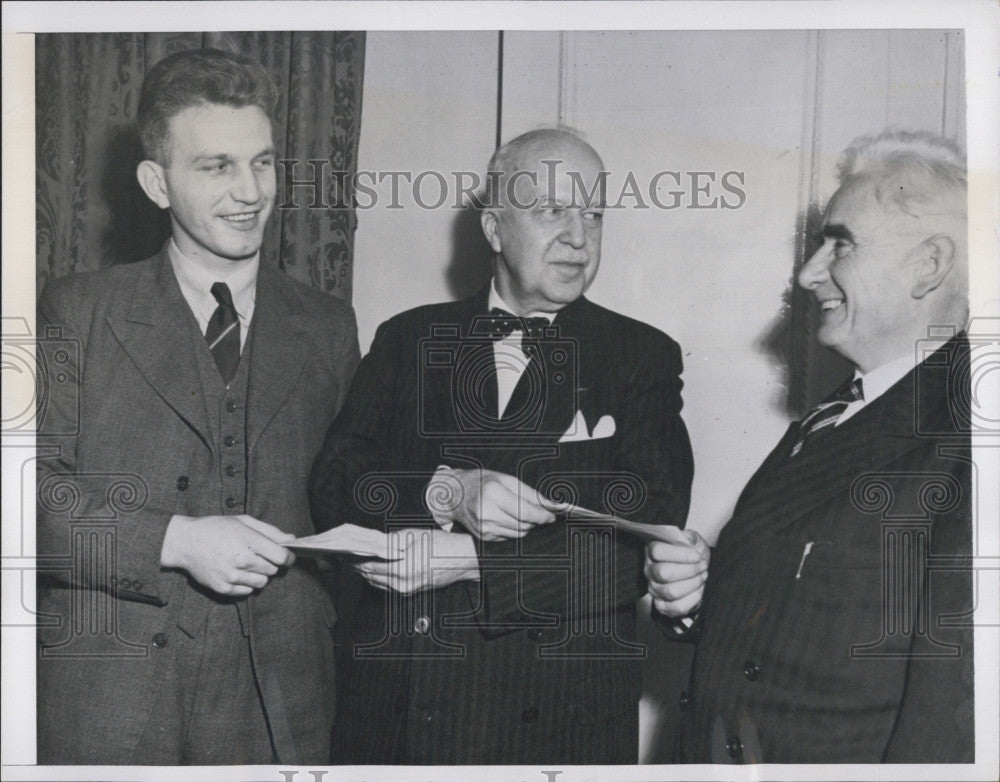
839 603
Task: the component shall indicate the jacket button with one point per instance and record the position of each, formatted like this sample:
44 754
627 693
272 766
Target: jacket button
230 502
534 634
230 470
685 701
231 406
124 583
530 714
422 625
136 585
229 441
751 670
734 747
183 483
159 640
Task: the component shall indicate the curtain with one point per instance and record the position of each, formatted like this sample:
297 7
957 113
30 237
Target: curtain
90 210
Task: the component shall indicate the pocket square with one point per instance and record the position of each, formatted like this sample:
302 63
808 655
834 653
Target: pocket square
578 431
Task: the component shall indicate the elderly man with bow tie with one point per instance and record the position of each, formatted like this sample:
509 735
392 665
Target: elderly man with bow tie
484 430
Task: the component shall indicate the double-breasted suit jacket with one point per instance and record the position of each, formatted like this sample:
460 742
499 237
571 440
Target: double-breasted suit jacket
536 661
835 624
129 411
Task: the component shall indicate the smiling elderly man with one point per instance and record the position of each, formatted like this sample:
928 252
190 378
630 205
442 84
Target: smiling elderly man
507 634
834 626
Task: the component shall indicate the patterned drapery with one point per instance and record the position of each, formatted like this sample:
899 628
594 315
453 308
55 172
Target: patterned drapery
90 210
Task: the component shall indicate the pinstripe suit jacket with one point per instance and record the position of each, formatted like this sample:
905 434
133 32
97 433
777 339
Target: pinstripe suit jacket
537 661
129 411
833 627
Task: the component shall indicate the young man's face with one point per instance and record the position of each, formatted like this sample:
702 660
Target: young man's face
218 181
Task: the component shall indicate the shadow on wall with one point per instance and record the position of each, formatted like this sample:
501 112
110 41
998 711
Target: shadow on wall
137 228
471 265
810 370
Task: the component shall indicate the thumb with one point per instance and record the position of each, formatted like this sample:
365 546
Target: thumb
267 530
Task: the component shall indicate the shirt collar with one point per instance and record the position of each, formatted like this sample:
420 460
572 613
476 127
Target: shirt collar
879 380
196 282
495 300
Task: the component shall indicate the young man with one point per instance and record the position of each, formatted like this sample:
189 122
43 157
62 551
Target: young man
202 379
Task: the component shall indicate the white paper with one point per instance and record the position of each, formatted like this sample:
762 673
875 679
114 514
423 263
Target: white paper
351 539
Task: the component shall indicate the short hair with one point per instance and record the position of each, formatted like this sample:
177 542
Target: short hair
505 156
915 172
193 78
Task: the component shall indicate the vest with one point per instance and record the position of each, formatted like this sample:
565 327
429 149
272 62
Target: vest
227 416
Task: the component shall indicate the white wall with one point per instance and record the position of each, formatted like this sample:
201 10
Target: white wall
429 105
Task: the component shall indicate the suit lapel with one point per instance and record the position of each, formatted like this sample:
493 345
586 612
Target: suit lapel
158 333
462 395
785 488
583 378
279 351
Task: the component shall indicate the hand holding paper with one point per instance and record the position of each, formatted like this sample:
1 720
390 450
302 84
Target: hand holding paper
489 504
677 572
429 559
231 555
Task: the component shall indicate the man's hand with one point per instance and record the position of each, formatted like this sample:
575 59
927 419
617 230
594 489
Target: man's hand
231 555
431 559
491 505
677 574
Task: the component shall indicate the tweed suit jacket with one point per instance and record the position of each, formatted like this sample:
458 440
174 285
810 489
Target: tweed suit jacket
132 414
835 623
537 661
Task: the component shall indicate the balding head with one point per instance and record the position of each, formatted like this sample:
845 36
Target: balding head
526 152
543 219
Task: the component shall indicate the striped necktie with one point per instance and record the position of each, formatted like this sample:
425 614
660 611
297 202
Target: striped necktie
826 413
223 333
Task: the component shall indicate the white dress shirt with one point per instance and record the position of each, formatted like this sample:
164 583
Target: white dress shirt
196 284
881 379
509 359
510 362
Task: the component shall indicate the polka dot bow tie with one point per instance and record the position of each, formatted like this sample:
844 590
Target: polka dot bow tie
501 324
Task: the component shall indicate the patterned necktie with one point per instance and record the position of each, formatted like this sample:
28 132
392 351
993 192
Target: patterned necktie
223 333
826 413
501 323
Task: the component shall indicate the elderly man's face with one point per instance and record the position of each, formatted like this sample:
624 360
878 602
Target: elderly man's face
547 236
218 182
863 278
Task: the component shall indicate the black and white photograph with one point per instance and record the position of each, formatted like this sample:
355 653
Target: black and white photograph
510 391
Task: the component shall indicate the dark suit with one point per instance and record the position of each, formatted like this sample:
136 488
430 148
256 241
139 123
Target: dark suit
133 413
537 661
823 656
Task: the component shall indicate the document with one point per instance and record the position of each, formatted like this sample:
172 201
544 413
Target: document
352 540
665 532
